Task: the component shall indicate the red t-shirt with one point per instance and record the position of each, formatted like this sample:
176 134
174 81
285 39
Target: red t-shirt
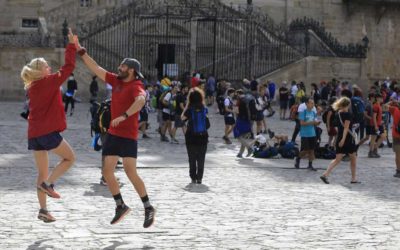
195 82
46 110
378 110
123 96
396 118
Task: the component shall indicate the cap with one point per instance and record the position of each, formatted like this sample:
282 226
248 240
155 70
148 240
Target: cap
133 64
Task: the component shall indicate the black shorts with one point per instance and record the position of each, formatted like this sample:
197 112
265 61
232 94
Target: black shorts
283 104
167 117
119 146
229 120
370 130
45 142
259 116
143 116
209 93
178 122
308 143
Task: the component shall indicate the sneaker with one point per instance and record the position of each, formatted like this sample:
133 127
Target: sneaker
249 152
324 179
174 141
164 138
227 141
146 136
198 182
120 213
149 214
272 113
397 174
45 216
297 162
376 155
271 134
239 156
49 190
311 168
103 181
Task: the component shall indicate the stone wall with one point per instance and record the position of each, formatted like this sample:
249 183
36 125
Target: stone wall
348 27
12 61
314 69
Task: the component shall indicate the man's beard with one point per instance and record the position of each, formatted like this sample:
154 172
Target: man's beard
122 75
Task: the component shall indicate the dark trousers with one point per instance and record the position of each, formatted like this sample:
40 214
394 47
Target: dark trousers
296 130
69 99
197 156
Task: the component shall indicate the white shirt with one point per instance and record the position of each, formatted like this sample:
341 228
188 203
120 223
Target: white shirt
228 103
303 107
167 98
293 90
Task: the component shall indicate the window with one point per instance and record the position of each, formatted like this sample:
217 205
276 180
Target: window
30 23
86 3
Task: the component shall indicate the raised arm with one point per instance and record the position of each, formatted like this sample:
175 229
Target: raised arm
89 62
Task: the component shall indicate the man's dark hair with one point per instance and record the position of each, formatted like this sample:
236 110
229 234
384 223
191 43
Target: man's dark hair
347 93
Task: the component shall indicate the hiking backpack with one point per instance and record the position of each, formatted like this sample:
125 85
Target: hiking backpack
101 117
199 121
358 108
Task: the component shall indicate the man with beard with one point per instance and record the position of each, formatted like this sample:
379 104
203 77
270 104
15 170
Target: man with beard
128 98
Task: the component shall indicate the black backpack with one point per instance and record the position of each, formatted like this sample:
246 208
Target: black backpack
101 117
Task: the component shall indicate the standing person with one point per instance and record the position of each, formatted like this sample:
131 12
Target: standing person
94 89
394 110
181 97
168 114
368 119
45 122
196 136
228 115
210 90
260 103
378 132
242 130
121 138
293 93
315 93
283 100
308 121
330 126
72 87
144 114
345 143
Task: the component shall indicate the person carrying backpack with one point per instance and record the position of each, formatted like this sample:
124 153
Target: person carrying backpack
394 110
242 129
229 117
196 136
328 118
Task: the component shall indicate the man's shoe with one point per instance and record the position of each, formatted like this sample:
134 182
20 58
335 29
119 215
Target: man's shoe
324 179
145 136
397 174
249 152
239 156
174 141
49 190
149 215
45 216
198 182
120 213
311 168
164 138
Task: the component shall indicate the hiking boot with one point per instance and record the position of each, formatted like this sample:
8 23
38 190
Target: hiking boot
49 190
297 162
146 136
149 214
45 216
397 174
120 213
324 179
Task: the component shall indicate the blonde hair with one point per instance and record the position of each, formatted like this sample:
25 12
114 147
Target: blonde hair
33 71
341 103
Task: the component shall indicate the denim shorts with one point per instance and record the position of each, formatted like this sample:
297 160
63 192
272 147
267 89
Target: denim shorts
45 142
119 146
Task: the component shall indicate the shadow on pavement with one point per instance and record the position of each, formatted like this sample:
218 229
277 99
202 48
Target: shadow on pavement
36 245
196 188
98 190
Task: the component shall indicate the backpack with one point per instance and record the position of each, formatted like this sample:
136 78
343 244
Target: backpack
325 115
288 150
199 122
161 99
294 112
266 153
221 105
252 109
358 108
101 117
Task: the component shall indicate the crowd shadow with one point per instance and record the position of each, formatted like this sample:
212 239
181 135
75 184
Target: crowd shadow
36 245
98 190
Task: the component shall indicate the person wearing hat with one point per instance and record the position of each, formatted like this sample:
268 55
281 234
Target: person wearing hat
128 97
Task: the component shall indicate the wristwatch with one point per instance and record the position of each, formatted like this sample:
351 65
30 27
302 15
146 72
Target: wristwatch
125 115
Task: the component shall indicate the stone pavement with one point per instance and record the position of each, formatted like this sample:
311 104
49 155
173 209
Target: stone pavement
244 203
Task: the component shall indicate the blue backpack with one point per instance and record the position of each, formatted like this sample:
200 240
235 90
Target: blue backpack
200 122
358 108
289 150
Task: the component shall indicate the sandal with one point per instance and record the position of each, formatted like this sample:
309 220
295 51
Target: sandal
355 182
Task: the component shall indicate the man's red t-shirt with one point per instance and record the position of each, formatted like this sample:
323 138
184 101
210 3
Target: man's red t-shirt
46 110
123 96
378 110
395 111
195 82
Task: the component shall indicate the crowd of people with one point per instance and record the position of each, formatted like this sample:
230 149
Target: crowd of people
349 119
